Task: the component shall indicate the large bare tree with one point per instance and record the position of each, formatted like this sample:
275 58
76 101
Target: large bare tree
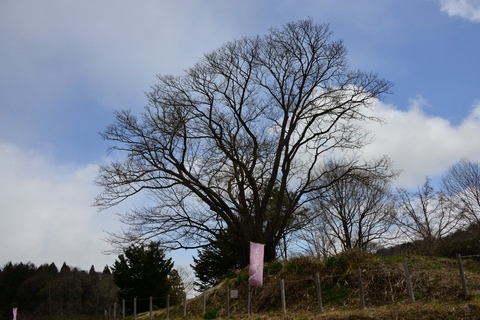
251 121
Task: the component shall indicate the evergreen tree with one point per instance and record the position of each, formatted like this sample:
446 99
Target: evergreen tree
92 270
65 268
106 270
177 287
218 259
142 272
213 263
11 278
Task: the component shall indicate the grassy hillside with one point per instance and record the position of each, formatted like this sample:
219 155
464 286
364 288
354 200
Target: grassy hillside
436 287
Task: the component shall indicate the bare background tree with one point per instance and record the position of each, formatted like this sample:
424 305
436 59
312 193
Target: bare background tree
188 279
461 183
355 209
425 214
251 121
314 240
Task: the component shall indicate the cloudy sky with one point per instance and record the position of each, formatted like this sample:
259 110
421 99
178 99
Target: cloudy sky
65 66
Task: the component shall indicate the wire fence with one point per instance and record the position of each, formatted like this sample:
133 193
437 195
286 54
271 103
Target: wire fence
362 287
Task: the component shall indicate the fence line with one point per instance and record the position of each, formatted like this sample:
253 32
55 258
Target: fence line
317 280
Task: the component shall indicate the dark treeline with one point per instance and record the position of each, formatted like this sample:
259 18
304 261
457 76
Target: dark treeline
46 292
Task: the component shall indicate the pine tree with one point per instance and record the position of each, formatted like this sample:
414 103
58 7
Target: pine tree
177 287
142 272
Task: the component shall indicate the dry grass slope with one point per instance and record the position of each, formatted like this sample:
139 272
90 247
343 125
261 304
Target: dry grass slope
436 285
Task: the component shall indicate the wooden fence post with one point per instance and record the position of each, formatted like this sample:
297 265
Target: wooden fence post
319 292
360 287
409 281
249 301
227 302
282 292
135 308
151 307
462 276
204 300
168 306
123 309
185 305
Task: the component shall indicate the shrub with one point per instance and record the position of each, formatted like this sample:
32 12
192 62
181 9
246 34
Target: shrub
212 314
273 268
242 277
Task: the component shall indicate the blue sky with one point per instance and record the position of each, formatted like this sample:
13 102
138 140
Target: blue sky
65 66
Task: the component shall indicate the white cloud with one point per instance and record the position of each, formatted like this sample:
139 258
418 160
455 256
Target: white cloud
420 144
46 212
466 9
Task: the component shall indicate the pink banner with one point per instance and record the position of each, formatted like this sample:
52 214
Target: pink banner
256 264
14 313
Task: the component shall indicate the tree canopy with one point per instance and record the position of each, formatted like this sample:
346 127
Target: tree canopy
253 120
142 272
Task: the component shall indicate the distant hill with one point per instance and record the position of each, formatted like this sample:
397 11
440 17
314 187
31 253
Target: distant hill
464 242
